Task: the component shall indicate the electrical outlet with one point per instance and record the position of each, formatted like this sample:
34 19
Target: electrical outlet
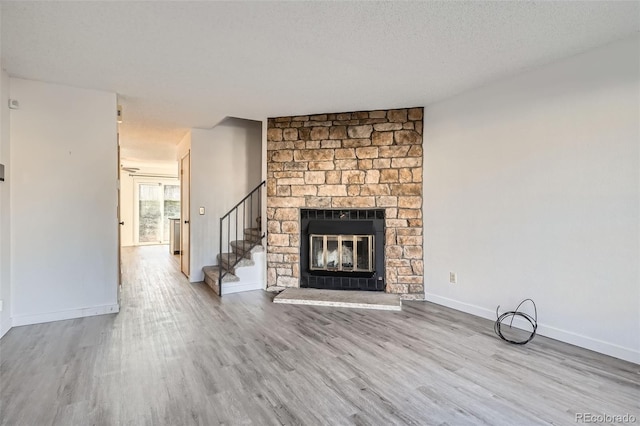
453 277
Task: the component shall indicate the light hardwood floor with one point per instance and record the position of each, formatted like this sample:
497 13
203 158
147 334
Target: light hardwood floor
176 354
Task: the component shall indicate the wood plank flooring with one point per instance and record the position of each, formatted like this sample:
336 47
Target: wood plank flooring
176 354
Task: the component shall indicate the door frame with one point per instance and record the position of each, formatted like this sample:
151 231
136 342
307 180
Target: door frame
119 219
185 215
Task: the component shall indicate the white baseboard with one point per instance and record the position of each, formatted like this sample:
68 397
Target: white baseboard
64 315
239 286
607 348
5 327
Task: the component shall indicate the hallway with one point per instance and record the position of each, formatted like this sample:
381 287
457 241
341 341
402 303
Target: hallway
176 354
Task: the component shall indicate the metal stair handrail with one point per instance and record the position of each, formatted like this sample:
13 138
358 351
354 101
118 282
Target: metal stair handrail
254 213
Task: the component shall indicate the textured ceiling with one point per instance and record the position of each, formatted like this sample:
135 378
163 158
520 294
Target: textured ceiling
182 64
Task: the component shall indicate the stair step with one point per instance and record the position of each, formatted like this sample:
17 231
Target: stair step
245 248
212 274
227 260
253 234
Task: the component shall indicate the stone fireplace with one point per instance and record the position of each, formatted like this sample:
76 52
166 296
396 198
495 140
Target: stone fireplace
344 201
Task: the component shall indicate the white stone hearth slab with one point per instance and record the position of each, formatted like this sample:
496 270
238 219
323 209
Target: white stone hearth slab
340 299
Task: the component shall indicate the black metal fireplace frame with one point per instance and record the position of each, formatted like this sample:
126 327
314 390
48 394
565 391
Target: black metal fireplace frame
351 219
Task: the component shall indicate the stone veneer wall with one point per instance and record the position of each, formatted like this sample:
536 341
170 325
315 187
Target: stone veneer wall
367 159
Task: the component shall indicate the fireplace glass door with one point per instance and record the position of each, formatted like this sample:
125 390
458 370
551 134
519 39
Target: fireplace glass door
349 253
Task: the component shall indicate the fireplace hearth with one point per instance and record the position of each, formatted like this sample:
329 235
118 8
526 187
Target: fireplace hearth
342 249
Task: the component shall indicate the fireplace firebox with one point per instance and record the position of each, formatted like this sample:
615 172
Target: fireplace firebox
348 253
342 249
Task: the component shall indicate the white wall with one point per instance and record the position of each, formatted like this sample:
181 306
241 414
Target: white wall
183 147
63 202
225 166
532 189
5 219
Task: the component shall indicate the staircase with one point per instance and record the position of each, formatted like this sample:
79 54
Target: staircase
241 262
242 268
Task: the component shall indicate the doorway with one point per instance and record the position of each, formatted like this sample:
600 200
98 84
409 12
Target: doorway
149 199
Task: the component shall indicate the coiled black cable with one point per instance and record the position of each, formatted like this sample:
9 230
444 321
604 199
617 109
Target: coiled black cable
512 314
